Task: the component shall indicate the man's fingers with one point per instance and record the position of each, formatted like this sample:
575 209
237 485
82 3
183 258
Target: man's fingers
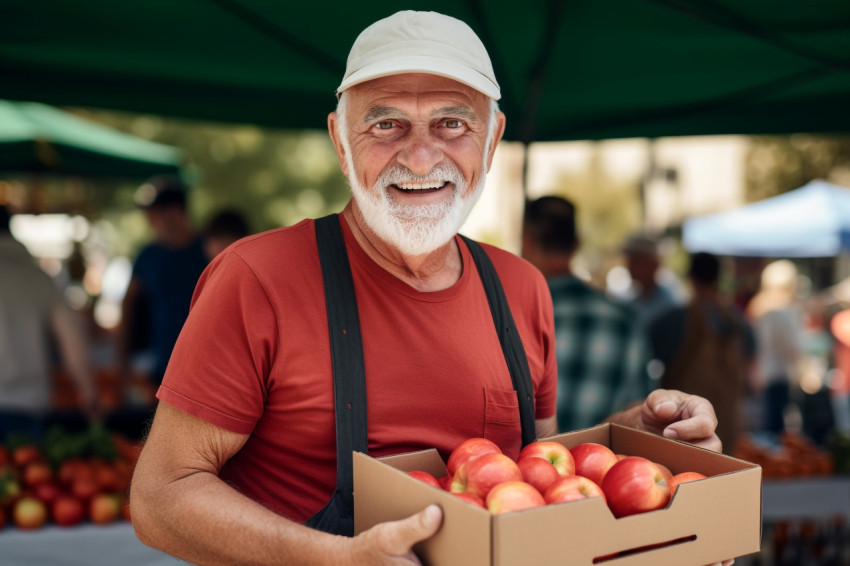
396 538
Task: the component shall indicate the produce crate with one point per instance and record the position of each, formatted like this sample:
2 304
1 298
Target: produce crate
707 520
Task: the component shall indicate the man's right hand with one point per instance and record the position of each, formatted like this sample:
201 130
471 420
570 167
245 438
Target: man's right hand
392 542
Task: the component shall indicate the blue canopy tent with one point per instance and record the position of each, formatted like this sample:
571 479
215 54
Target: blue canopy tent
812 221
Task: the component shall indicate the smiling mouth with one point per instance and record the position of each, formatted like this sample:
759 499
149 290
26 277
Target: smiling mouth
427 187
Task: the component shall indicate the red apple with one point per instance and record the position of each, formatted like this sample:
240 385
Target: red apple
469 498
513 496
71 469
47 491
445 482
635 485
104 508
425 477
24 454
593 460
538 472
83 487
557 454
109 479
67 511
665 471
36 472
572 488
480 475
469 450
674 482
29 513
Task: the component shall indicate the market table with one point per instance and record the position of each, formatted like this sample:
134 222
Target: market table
84 545
812 498
93 545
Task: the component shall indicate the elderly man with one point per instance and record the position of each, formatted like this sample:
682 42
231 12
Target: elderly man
244 446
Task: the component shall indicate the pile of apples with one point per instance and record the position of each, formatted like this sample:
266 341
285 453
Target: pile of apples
547 472
34 491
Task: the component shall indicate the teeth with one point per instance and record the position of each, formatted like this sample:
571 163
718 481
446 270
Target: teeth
420 186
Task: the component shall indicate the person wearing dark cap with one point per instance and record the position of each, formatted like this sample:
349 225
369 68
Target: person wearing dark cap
164 276
706 347
243 463
602 349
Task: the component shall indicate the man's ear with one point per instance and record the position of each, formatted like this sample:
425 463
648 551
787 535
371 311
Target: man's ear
498 132
336 138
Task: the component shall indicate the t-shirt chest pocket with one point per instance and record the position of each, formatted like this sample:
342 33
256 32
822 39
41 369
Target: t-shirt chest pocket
501 420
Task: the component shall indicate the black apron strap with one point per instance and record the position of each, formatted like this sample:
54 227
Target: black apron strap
349 373
349 368
509 338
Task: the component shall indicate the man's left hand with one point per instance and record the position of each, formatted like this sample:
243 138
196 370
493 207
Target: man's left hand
675 415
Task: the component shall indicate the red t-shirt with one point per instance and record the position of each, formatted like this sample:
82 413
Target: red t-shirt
254 358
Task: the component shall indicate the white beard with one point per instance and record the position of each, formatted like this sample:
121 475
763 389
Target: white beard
414 229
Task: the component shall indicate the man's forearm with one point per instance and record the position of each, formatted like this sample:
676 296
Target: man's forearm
201 519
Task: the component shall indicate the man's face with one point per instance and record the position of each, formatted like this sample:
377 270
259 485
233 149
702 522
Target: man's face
416 149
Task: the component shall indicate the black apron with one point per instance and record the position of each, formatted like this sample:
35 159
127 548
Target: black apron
349 374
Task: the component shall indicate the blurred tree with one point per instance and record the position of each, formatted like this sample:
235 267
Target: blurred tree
274 177
608 211
777 164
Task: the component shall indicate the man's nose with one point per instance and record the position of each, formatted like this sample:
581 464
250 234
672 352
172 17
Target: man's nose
421 151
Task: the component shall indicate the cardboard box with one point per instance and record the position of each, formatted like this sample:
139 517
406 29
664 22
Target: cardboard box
707 521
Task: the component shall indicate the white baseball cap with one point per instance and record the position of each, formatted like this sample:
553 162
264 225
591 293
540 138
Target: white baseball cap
420 42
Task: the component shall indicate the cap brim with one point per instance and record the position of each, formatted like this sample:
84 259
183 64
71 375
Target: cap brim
427 65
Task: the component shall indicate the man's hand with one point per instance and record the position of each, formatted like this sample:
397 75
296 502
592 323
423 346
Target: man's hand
675 415
392 542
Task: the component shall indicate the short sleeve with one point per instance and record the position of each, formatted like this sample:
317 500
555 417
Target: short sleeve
220 365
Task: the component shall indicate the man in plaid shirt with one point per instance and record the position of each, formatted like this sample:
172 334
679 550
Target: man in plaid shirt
602 349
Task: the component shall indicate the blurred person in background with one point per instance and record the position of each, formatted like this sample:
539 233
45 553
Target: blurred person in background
706 348
224 228
649 297
601 345
840 383
34 319
163 279
778 320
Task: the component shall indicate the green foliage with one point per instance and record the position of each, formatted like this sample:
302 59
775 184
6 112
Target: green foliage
778 164
273 177
95 442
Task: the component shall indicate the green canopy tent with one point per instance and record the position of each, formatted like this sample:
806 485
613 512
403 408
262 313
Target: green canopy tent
569 69
36 138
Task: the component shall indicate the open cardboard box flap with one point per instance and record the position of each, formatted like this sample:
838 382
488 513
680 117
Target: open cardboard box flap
707 521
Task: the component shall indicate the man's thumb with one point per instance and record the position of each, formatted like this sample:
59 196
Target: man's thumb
420 526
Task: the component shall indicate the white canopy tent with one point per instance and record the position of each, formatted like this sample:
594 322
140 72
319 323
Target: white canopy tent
812 221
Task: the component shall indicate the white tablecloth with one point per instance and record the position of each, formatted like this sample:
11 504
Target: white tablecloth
84 545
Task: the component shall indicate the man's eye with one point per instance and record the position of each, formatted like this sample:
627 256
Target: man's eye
452 124
384 125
